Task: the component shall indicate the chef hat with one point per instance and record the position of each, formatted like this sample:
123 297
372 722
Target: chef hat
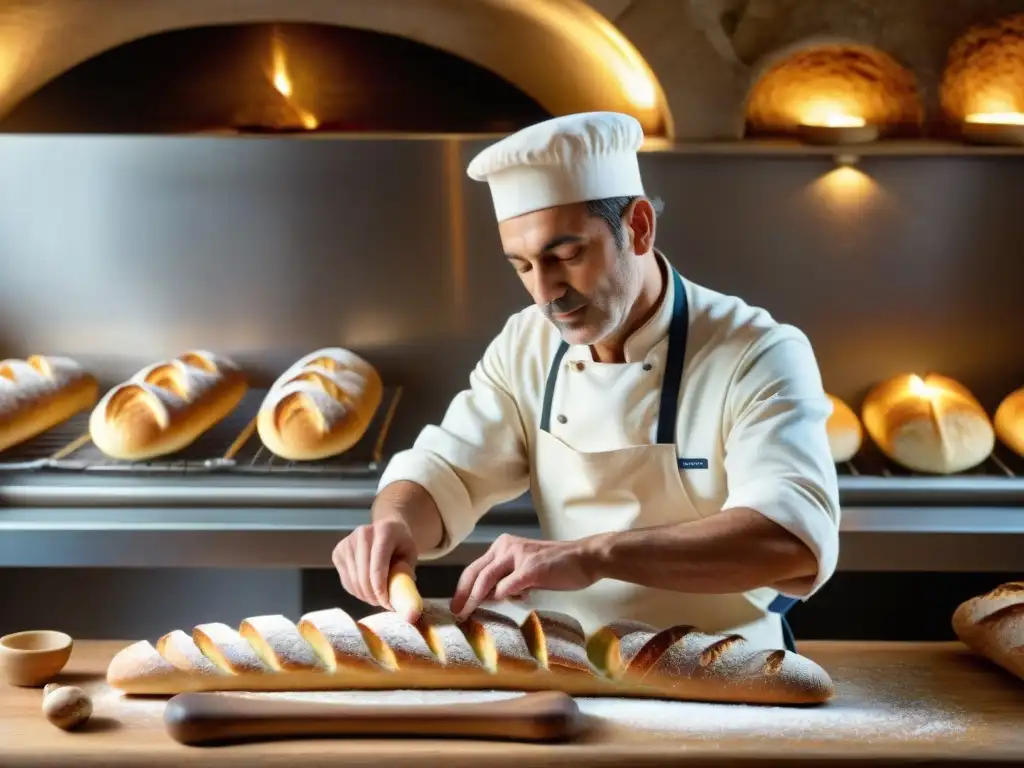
570 159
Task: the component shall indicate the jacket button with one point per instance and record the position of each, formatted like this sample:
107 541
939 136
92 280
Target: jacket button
562 419
647 366
578 365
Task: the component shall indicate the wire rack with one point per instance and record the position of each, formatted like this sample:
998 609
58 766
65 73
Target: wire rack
231 445
870 462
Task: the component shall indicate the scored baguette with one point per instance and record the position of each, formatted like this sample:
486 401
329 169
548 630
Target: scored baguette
845 434
41 392
328 650
931 424
1009 421
321 406
166 406
992 625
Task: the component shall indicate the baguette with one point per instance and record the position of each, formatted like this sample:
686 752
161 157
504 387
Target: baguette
166 406
931 424
845 434
992 625
1009 421
328 650
321 406
39 393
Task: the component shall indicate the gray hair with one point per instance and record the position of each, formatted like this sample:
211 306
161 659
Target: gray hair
612 209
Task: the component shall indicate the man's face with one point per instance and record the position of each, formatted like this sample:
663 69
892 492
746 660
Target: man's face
571 266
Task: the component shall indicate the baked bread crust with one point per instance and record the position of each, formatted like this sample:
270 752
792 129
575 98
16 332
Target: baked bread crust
486 651
166 406
321 406
40 392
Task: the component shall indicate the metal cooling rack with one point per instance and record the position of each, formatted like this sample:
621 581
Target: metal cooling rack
869 462
231 445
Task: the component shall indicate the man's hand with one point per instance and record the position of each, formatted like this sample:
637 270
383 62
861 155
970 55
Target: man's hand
513 566
365 557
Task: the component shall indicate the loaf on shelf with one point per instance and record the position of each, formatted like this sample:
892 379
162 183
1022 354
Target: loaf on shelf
166 406
929 424
39 393
845 434
328 650
1009 421
321 406
992 625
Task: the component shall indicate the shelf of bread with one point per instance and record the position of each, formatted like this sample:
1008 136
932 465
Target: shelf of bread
915 438
329 413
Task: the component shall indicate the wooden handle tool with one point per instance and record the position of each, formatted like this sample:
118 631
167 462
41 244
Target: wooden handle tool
207 719
405 597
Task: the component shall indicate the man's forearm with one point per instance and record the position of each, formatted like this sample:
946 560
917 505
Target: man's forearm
734 551
412 503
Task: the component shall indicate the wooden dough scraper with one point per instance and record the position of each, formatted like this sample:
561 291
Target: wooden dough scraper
208 719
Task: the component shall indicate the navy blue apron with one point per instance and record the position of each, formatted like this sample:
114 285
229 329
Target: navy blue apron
668 410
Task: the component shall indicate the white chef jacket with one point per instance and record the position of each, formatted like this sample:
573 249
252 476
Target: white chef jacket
751 403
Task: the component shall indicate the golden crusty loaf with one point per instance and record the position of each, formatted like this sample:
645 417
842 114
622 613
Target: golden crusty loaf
992 625
845 434
39 393
321 406
328 650
166 406
1009 421
931 424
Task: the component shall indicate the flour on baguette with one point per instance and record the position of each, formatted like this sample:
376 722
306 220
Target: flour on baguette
39 393
845 434
487 651
166 406
992 625
931 424
321 406
1009 421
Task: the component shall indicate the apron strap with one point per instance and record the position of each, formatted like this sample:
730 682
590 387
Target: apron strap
549 388
781 605
673 380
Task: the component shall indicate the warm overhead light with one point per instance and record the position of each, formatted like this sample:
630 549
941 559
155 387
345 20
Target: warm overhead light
1005 127
824 121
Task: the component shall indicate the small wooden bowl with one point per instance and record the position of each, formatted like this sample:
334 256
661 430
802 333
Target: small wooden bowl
31 659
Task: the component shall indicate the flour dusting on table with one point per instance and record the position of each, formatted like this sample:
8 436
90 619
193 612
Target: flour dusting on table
845 717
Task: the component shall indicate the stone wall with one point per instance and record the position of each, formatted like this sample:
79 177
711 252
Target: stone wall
707 55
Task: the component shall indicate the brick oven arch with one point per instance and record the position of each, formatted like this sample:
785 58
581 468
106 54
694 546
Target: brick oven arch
562 53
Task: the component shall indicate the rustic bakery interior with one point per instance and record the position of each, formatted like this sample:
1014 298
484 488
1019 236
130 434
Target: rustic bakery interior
258 201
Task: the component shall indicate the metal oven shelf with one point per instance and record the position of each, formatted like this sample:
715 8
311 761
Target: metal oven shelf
232 445
238 470
872 479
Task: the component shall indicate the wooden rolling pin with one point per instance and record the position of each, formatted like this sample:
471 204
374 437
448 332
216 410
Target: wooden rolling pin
208 719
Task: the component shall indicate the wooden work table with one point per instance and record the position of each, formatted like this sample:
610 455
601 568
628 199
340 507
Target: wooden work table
895 703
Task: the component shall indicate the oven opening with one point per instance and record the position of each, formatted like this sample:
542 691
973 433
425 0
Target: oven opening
275 78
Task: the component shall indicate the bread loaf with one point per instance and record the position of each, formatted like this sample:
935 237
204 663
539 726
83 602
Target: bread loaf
328 650
321 406
992 625
1009 421
39 393
165 407
931 424
844 431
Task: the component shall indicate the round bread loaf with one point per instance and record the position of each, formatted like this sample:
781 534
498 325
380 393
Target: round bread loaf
931 424
845 434
1009 421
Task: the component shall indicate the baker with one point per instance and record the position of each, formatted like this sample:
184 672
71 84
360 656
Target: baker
673 437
